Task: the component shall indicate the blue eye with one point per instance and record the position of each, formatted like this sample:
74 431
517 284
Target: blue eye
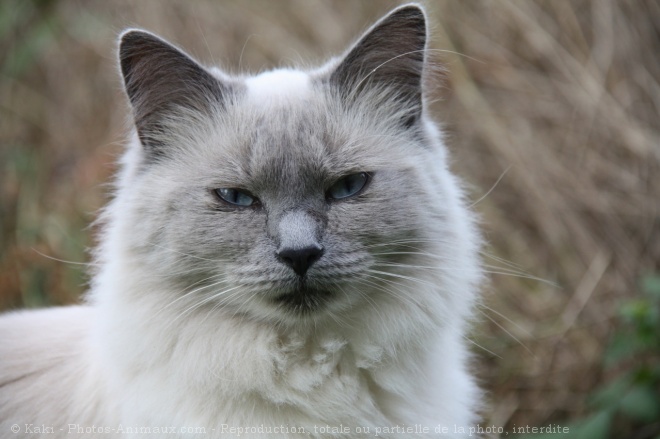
349 186
236 197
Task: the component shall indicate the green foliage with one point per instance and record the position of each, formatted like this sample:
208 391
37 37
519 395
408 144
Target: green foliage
629 404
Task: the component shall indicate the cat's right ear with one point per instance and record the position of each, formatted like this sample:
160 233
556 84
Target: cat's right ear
161 80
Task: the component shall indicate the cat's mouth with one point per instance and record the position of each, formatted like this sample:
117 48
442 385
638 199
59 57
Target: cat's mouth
304 299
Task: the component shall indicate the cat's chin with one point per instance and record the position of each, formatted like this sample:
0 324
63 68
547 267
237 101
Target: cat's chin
305 300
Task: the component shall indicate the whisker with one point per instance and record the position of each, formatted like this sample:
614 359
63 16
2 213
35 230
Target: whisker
481 347
502 260
202 302
62 260
186 294
491 189
506 318
403 293
495 271
401 276
185 254
509 334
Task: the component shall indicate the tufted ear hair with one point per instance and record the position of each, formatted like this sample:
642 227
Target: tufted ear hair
389 58
161 80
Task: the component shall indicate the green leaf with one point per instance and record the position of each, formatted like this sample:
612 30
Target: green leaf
642 403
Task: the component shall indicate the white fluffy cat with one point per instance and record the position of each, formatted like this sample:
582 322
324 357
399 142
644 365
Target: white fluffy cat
285 254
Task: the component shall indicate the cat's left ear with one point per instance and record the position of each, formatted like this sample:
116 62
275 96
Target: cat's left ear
389 59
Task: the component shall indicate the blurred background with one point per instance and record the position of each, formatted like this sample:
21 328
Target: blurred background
552 114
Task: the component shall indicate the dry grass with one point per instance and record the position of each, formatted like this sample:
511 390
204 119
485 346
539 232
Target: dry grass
558 102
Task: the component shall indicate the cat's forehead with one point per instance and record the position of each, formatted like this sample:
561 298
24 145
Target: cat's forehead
287 129
283 130
287 134
289 144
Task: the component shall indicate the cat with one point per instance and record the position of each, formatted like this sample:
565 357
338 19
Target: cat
284 254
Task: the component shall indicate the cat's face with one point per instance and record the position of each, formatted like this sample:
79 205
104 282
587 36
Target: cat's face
288 194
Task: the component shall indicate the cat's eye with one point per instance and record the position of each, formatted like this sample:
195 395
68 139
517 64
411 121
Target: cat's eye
236 197
348 186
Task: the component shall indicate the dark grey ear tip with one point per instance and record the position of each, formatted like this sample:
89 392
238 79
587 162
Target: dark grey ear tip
411 8
411 11
131 38
128 41
132 34
409 16
137 43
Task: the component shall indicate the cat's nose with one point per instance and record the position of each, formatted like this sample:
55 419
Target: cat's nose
300 259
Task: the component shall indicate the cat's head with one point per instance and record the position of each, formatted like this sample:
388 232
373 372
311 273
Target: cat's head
291 193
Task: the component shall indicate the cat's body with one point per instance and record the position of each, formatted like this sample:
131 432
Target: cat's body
284 252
